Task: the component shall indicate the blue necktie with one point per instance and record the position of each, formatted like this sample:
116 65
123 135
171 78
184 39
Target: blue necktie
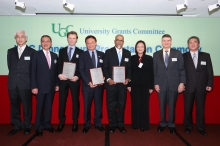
69 53
119 57
93 60
166 58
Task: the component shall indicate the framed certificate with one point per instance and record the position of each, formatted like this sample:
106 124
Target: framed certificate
96 76
118 74
69 69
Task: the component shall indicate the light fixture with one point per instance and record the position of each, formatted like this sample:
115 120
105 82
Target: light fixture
68 5
215 6
20 4
182 6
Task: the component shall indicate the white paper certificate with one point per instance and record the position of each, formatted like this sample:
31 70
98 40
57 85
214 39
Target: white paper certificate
118 74
96 76
69 69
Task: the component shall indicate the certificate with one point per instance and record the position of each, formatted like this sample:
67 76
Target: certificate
69 69
96 76
118 74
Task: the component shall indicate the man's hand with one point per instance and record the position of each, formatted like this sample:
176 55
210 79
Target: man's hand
35 90
157 88
126 81
62 77
111 82
91 85
129 89
151 90
74 79
208 88
181 87
57 88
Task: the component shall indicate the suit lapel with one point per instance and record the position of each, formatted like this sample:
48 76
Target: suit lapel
114 53
89 59
16 52
199 60
161 57
42 55
98 57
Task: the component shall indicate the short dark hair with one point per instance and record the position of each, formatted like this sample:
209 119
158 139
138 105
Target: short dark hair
167 36
72 32
140 41
193 37
90 36
46 36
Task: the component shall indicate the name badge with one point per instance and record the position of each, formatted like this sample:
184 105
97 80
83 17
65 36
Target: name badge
140 65
100 60
77 55
55 61
174 59
126 59
26 57
203 63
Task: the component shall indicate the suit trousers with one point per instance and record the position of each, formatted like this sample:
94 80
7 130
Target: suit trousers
18 96
88 96
199 99
44 110
140 107
116 98
63 94
167 98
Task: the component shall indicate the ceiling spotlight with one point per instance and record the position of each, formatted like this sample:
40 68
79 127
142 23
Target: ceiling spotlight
68 5
182 6
215 6
20 4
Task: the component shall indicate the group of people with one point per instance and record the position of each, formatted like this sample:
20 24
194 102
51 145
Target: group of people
168 72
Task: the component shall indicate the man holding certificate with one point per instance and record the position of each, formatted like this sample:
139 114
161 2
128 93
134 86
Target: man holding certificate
90 68
117 72
68 70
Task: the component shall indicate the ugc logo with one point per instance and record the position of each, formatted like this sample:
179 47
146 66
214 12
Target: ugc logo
61 31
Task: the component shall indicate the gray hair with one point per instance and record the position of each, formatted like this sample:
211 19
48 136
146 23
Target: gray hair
20 31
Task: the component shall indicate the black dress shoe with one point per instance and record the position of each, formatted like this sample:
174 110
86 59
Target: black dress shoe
100 128
75 128
172 130
142 129
51 129
12 132
85 130
27 131
187 130
112 129
122 129
39 132
60 128
203 132
160 129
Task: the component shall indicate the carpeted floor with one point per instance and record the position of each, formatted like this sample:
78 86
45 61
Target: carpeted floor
133 137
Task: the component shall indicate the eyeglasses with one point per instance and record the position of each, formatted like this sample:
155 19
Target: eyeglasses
119 40
20 37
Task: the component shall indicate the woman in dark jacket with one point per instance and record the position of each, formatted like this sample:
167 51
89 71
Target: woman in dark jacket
141 86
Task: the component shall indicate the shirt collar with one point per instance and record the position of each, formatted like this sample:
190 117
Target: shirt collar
23 47
194 52
71 47
166 50
45 51
118 49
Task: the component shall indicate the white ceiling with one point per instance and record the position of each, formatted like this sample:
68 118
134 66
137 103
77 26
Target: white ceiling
196 8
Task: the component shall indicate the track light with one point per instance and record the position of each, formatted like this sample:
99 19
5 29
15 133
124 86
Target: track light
182 6
20 4
68 5
215 6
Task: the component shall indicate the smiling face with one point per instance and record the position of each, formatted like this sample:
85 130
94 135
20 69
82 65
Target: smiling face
166 42
91 44
119 41
193 45
20 38
72 39
140 48
46 43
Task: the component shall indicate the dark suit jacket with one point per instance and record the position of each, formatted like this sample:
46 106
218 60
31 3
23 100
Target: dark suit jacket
200 77
172 75
19 69
63 57
43 77
111 59
143 76
85 63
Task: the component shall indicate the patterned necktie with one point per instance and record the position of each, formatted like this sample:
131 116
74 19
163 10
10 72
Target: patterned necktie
195 60
93 60
166 58
119 57
69 53
48 58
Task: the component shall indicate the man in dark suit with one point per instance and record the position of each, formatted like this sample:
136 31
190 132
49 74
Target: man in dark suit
44 83
169 80
71 53
88 60
19 63
199 80
116 92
